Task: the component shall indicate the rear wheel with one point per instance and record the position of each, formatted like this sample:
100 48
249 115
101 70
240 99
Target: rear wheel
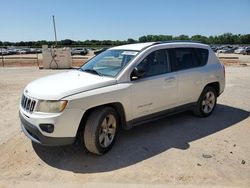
206 103
101 130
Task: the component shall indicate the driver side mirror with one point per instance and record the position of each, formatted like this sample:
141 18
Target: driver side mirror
137 73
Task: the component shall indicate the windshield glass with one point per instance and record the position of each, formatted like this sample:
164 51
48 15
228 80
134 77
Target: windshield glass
109 63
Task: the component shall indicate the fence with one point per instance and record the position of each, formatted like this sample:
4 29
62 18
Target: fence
34 59
20 60
230 60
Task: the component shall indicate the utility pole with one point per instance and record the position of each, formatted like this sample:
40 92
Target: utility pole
2 56
54 24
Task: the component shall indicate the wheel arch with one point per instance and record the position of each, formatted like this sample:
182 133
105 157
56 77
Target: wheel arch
116 105
215 85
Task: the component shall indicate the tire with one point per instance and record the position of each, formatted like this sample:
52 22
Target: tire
206 103
101 130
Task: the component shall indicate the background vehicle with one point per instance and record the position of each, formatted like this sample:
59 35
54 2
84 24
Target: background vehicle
240 50
228 49
247 50
214 48
3 51
79 51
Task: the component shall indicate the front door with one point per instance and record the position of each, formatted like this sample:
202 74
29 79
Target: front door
157 90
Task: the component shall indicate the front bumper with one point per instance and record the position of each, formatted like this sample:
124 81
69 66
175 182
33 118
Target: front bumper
33 133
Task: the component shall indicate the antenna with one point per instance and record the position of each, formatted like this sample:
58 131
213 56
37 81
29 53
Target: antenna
54 24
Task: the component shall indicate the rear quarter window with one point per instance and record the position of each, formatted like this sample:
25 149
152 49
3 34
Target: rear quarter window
202 55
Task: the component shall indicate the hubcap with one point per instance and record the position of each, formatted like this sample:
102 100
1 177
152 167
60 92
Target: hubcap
208 102
107 131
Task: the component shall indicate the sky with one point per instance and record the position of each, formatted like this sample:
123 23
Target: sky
31 20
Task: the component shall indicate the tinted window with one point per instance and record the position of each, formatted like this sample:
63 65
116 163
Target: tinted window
202 54
156 63
186 58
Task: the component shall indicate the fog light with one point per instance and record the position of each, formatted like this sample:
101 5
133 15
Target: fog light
49 128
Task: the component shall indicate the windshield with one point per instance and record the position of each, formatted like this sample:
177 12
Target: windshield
109 63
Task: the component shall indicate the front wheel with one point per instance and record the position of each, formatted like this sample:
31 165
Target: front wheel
101 130
206 103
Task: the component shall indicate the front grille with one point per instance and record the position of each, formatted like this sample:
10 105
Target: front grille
28 104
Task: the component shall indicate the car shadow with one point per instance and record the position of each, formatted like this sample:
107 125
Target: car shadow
143 142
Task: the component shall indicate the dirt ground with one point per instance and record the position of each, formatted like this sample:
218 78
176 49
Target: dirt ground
179 151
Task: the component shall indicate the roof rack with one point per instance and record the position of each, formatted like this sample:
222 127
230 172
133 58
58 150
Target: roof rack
174 41
170 41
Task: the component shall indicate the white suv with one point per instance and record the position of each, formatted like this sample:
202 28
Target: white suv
119 88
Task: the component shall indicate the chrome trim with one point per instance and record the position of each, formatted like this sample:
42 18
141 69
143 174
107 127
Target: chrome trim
28 104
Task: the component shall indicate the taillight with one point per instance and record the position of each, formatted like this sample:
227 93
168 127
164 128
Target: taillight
224 71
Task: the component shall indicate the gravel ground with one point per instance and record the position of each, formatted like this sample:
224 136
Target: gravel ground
179 151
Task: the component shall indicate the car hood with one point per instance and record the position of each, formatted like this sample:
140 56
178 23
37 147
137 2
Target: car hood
58 86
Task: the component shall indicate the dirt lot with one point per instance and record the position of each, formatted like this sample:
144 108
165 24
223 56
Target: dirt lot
182 150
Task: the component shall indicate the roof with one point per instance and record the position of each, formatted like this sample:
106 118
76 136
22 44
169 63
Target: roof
141 46
137 46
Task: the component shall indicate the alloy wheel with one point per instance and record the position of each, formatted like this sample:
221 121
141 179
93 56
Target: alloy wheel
208 102
107 131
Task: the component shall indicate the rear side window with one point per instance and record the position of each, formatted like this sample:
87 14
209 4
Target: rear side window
186 58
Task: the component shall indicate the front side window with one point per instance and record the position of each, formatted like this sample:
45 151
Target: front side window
109 63
156 63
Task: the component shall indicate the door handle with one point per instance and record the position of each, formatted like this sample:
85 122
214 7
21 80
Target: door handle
169 79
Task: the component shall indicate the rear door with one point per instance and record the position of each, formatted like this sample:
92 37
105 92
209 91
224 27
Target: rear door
189 64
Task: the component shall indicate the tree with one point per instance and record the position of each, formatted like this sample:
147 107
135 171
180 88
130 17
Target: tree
200 38
226 38
143 39
66 42
245 39
131 41
181 37
165 37
6 43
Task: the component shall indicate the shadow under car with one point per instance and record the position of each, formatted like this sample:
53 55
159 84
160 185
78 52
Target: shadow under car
142 142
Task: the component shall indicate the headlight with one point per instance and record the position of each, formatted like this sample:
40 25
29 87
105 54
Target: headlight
51 106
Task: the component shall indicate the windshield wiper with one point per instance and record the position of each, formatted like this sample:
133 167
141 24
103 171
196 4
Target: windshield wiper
93 71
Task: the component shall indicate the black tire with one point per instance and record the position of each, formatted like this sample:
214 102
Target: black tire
199 108
94 128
